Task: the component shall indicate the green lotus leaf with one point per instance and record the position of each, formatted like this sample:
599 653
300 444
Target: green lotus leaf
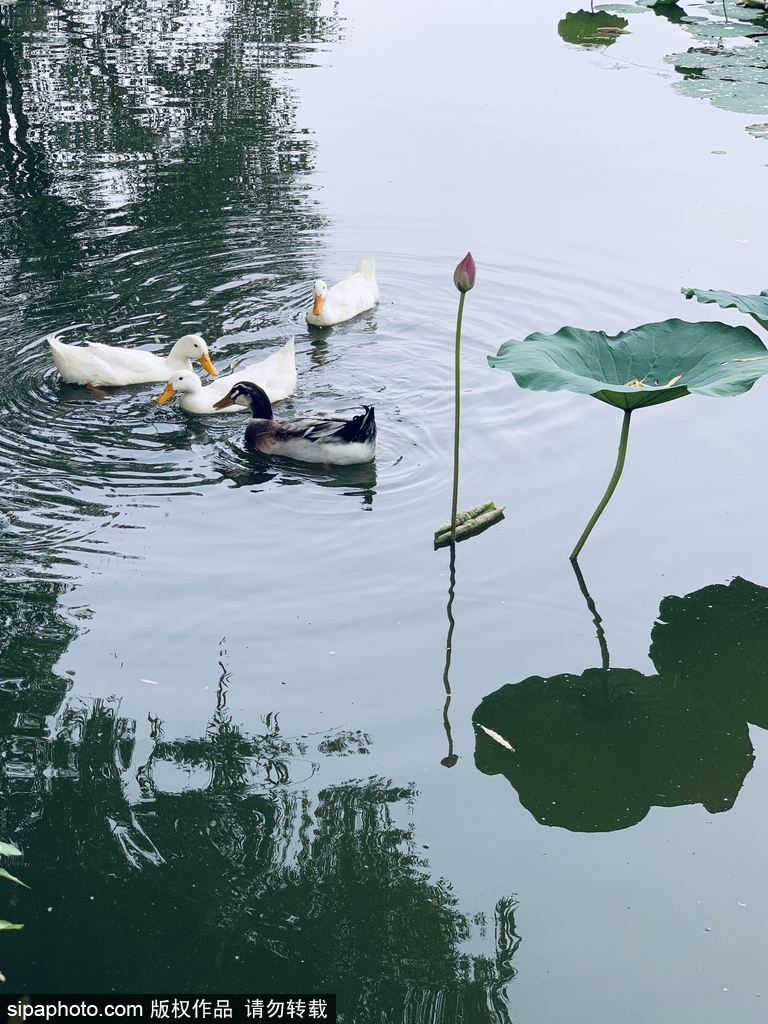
644 366
731 78
755 305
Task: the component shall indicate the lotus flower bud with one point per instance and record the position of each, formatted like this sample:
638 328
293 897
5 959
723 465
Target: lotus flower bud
464 275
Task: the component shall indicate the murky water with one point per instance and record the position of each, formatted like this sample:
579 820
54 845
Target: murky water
228 752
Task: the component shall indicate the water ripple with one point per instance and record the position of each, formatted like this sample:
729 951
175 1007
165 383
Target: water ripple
77 462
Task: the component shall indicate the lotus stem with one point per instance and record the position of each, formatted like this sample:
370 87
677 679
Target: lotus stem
456 416
611 486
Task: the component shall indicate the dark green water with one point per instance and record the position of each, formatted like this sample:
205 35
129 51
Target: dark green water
228 752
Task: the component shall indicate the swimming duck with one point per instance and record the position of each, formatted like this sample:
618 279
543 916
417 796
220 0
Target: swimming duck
336 441
100 365
357 292
276 374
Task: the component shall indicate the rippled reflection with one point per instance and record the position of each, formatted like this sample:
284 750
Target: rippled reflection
225 861
163 188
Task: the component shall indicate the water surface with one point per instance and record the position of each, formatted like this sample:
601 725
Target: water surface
228 756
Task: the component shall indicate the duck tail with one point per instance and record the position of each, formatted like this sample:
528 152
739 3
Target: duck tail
366 267
364 426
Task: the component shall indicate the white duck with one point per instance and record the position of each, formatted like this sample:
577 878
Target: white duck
357 292
100 365
276 375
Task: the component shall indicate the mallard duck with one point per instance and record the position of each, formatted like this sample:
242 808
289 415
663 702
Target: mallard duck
357 292
337 441
276 374
100 365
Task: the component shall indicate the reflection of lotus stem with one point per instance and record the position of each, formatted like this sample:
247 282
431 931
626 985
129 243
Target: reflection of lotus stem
596 617
611 486
450 760
456 417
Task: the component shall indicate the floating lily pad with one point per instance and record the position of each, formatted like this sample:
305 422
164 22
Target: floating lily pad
645 366
585 28
733 79
755 305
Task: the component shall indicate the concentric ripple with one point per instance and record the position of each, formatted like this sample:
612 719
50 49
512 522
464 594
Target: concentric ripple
77 462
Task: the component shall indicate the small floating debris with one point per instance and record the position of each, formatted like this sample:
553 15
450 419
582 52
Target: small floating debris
496 736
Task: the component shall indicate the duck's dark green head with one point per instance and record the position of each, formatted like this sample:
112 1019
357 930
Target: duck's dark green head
249 395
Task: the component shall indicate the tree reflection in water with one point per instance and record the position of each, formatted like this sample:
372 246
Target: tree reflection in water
223 866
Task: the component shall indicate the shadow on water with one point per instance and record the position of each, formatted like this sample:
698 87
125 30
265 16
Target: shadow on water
594 752
203 863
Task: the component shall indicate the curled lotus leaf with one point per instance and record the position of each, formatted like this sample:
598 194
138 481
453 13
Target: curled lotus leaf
755 305
644 366
469 522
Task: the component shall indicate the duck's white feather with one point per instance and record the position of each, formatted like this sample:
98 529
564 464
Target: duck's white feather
111 366
276 374
350 453
353 295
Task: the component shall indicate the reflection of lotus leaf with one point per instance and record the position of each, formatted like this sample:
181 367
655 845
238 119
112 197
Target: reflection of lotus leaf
714 643
595 752
645 366
755 305
584 28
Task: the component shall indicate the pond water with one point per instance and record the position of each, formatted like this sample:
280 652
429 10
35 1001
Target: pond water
228 752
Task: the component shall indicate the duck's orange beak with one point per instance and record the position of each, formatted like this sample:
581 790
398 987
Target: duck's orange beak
168 393
317 305
205 362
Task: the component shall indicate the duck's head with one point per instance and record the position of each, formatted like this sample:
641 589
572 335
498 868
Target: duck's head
183 382
319 292
250 396
194 347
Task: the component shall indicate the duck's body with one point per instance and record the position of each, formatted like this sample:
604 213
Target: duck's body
109 366
276 375
356 293
332 441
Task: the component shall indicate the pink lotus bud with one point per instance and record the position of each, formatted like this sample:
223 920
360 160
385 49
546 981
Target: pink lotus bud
464 275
